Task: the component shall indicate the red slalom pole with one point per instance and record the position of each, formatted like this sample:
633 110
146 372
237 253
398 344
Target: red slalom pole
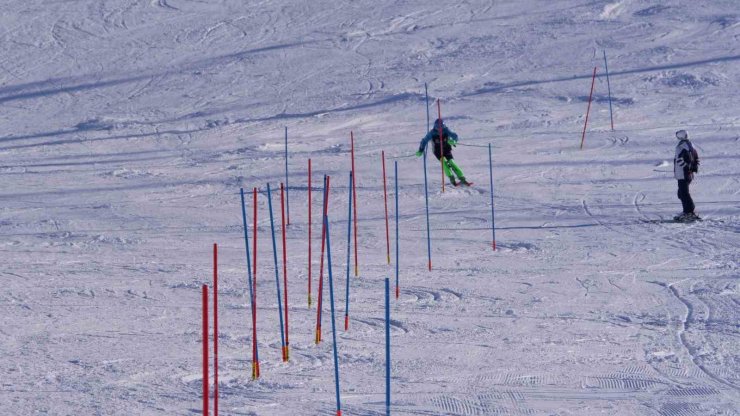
354 196
309 233
286 349
255 354
588 110
204 291
215 329
441 141
321 262
385 199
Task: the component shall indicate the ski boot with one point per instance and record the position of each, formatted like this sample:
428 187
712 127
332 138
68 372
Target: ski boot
463 181
453 181
686 217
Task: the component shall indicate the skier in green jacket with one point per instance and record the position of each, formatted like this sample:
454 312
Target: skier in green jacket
450 140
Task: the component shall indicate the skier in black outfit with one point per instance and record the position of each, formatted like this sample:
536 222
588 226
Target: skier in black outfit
450 140
685 164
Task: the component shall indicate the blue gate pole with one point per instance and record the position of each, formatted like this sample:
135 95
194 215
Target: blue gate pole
426 188
395 166
249 262
609 88
333 321
277 271
493 218
387 349
349 242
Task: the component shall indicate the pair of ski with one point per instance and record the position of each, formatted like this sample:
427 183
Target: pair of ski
678 219
461 183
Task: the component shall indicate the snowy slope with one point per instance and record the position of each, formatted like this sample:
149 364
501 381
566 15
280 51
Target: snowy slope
127 128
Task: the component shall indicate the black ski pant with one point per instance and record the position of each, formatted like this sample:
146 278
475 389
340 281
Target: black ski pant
685 196
446 148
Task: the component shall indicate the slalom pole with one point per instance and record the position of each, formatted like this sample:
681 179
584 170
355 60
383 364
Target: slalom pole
256 369
309 233
609 87
349 241
286 353
215 329
320 295
441 141
354 196
204 302
493 220
387 348
426 189
333 320
385 200
588 110
426 94
395 166
287 189
249 277
277 271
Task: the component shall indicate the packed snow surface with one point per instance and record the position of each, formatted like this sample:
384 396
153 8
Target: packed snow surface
127 128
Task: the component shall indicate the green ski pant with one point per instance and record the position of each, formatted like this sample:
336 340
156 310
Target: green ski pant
450 164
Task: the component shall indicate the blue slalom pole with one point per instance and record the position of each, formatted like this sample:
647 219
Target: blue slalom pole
387 349
287 186
395 167
609 87
426 94
277 270
333 323
320 296
249 265
493 220
349 242
426 189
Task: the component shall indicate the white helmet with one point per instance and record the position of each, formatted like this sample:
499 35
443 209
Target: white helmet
682 135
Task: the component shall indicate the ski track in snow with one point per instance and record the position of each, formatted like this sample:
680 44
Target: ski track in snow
128 127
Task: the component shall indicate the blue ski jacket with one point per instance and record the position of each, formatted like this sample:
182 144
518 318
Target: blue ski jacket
449 135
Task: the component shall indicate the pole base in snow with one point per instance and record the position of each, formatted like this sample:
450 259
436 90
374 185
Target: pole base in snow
255 370
494 246
397 292
318 335
286 353
309 301
430 265
346 322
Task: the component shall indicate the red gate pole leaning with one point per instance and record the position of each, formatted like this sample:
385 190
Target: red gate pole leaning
320 295
286 352
588 110
256 369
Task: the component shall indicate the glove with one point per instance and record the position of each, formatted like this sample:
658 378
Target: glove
419 153
452 143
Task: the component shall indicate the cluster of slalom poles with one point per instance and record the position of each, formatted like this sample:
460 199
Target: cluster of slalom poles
251 258
282 296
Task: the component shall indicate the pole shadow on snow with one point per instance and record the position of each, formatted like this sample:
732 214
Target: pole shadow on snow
54 86
501 87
